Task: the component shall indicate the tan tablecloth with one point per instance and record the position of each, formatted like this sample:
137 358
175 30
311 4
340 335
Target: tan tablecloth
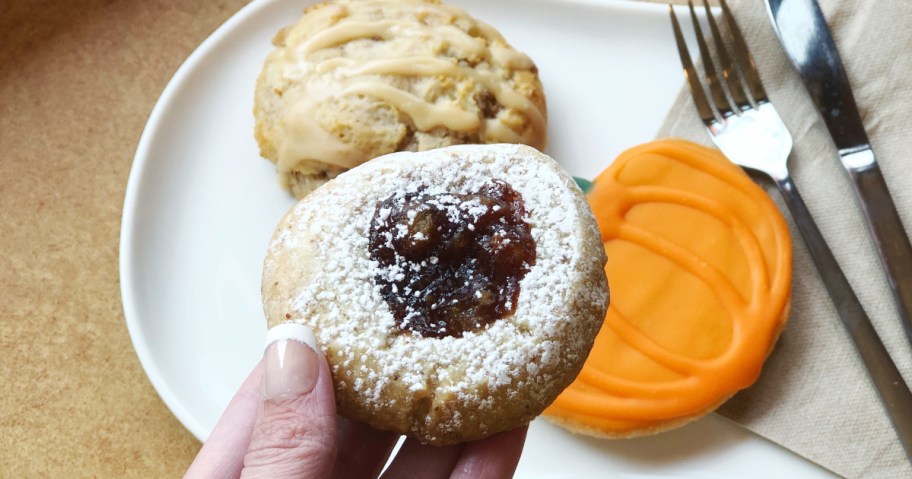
77 82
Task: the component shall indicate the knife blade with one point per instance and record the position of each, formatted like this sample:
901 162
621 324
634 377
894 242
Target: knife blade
808 42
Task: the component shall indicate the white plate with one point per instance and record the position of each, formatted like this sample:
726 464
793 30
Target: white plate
201 205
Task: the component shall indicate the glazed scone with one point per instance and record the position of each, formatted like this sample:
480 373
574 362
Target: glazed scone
455 292
356 79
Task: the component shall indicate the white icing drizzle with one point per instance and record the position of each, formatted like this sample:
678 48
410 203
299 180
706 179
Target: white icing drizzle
425 115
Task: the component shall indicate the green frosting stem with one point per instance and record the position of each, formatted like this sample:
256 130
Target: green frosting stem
584 185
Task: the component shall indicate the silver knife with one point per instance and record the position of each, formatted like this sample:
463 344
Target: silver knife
807 40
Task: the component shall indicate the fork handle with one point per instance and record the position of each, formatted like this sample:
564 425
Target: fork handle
893 391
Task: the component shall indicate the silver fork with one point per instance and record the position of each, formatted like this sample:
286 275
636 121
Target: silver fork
750 133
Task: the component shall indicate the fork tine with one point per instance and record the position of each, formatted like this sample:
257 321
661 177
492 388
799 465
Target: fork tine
743 57
730 75
699 97
712 78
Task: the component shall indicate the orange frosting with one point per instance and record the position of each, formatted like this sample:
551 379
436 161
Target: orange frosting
699 265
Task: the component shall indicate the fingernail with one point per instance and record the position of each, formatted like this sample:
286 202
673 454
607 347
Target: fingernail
290 364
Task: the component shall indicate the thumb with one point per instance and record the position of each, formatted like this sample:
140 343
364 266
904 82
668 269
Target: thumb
295 432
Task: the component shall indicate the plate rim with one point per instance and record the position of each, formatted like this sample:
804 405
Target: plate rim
127 242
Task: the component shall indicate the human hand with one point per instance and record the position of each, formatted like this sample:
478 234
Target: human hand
282 423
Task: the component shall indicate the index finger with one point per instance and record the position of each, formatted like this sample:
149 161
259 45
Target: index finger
222 455
493 457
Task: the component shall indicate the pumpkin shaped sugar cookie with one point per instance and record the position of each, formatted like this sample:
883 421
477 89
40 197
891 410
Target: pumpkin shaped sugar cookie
699 263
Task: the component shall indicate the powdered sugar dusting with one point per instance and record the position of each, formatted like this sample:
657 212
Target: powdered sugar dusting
343 304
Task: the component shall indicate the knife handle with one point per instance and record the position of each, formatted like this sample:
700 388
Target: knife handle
889 383
889 236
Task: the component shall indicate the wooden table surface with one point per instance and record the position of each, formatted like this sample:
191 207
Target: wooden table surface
78 80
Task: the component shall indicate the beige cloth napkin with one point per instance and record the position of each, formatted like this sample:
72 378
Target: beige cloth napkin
814 395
